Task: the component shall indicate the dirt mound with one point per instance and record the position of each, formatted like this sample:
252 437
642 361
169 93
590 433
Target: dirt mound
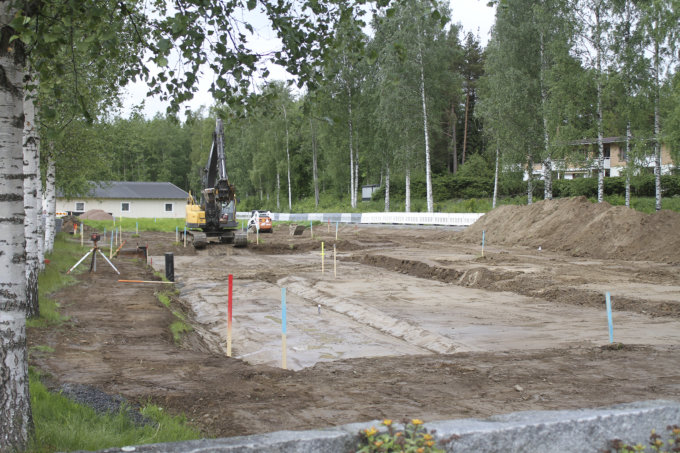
582 228
96 214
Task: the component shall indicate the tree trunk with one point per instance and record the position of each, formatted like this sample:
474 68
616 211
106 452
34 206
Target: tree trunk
352 183
290 193
600 145
428 172
629 169
407 204
31 219
15 408
657 126
387 190
50 201
278 190
530 180
454 141
314 164
465 125
547 162
495 179
357 188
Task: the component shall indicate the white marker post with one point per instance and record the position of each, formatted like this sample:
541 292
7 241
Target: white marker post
609 317
336 230
229 302
335 268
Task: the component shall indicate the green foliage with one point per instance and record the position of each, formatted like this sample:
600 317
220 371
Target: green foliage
414 438
164 299
63 425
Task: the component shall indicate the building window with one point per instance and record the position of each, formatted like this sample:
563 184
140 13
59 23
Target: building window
125 207
169 207
80 206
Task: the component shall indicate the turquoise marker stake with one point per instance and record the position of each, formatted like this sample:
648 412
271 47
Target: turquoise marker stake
283 328
176 234
311 228
104 233
336 231
483 237
111 249
136 227
154 220
609 317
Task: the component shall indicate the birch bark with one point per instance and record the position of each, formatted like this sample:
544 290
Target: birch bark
387 190
32 218
15 409
50 201
428 171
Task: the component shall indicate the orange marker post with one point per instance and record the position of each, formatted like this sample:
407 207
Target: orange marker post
229 305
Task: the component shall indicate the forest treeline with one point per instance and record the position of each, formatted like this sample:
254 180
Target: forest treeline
408 96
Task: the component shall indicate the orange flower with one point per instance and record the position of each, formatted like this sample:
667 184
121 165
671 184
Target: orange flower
378 443
420 450
427 437
429 443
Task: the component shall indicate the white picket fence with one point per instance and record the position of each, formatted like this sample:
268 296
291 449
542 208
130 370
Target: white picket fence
399 218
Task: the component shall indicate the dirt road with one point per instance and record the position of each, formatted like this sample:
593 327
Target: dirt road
416 323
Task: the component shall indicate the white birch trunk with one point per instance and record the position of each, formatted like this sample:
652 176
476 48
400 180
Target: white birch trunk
657 126
530 180
547 162
407 204
15 408
357 188
600 145
32 218
290 193
387 190
428 171
352 182
315 173
278 191
50 201
629 168
495 179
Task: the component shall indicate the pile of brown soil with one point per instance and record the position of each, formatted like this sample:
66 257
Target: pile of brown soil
581 228
96 214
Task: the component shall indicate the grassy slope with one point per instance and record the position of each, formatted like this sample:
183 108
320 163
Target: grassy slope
61 424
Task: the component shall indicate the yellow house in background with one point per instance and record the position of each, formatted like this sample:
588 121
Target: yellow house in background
615 160
129 199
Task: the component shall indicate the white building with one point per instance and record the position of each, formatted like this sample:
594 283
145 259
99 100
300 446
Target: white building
129 199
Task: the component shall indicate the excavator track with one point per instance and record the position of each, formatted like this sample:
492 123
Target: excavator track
241 239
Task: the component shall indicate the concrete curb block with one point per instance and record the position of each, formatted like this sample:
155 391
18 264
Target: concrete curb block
583 430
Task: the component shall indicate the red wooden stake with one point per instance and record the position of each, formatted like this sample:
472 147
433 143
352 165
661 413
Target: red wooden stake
229 306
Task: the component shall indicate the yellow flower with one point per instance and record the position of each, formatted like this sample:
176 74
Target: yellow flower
417 422
399 433
371 431
429 443
387 422
427 437
378 443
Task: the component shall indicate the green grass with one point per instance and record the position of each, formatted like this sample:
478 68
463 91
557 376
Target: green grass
643 204
179 328
63 425
164 299
65 254
139 224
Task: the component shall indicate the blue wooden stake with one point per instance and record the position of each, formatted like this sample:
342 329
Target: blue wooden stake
104 233
283 328
311 228
609 317
336 231
136 227
483 238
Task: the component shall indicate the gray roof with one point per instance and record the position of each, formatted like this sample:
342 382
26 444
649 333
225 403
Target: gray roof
131 189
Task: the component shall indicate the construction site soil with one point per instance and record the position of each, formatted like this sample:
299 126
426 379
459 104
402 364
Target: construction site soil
408 322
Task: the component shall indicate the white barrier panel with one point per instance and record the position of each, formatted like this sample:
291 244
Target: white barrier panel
419 218
242 215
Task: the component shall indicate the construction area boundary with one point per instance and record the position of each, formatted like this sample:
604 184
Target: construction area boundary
583 430
399 218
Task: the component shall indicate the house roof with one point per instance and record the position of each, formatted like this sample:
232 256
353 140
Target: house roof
135 190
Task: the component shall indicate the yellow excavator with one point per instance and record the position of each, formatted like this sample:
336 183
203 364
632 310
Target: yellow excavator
213 218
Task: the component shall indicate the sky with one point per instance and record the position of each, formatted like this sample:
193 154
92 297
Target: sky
473 15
